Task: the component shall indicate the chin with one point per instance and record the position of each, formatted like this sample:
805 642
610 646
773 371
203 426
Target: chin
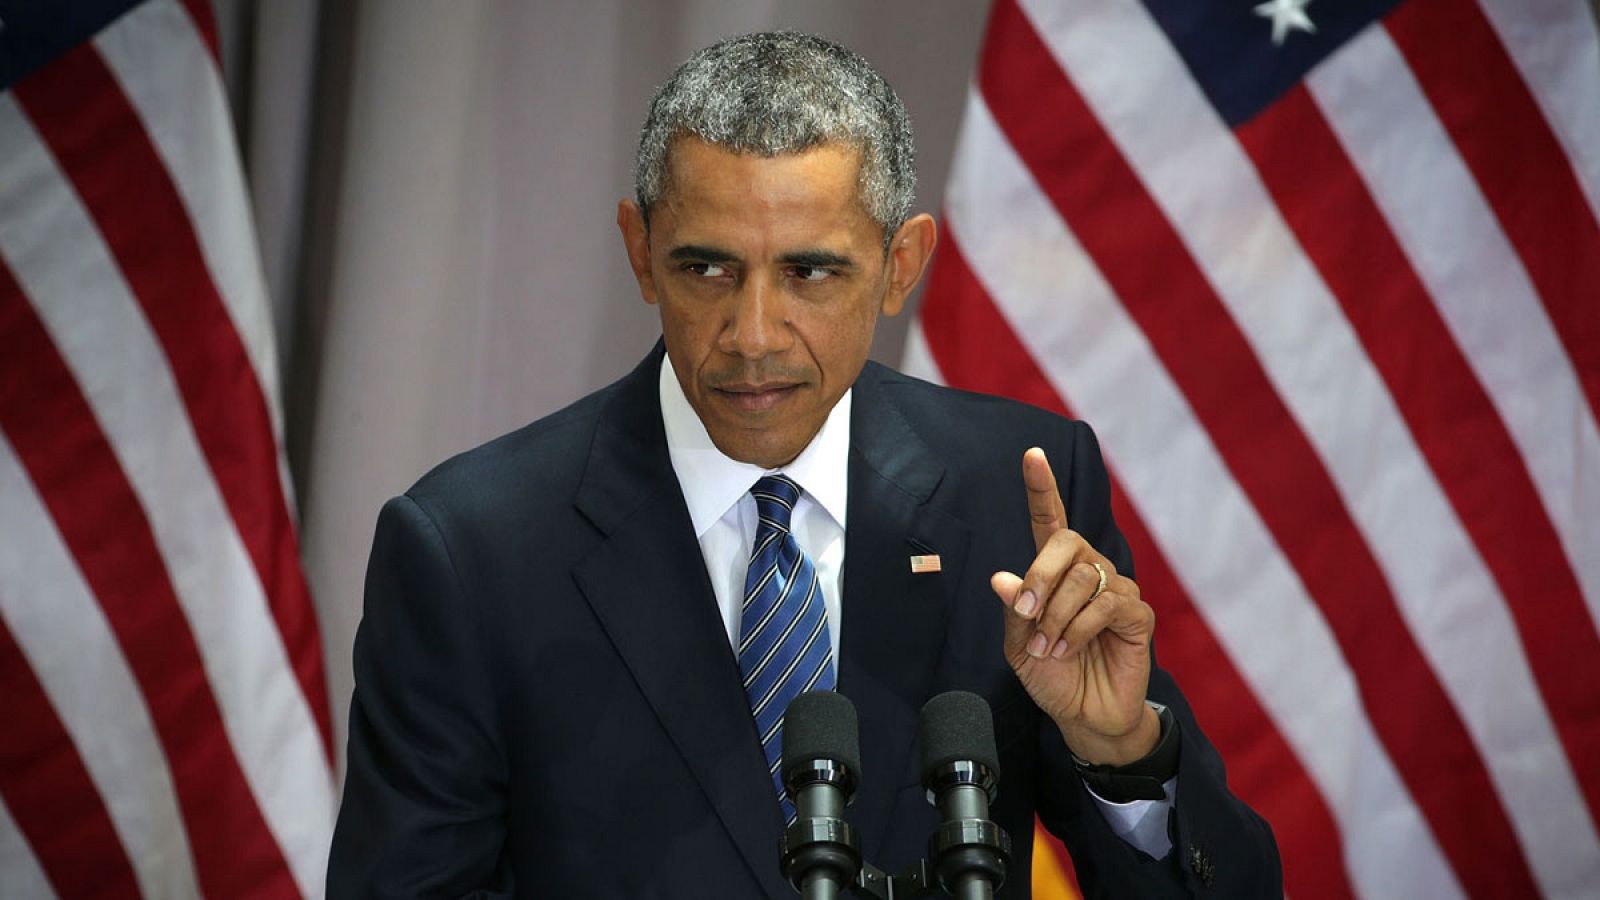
767 455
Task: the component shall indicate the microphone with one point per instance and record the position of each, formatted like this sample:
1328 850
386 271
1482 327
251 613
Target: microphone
819 853
961 771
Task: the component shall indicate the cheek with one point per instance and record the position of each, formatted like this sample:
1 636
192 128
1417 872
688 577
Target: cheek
684 327
843 338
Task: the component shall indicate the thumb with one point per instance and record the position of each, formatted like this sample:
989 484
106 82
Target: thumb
1019 628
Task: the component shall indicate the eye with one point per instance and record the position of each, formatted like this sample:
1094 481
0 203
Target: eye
706 269
810 273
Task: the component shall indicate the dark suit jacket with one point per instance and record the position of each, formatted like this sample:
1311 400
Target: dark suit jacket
547 703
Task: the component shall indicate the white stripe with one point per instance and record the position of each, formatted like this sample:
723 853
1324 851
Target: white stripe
1492 309
81 297
1554 45
767 495
766 737
1447 230
916 359
777 645
68 643
783 678
20 875
823 668
760 586
178 92
1096 357
1317 365
766 542
755 630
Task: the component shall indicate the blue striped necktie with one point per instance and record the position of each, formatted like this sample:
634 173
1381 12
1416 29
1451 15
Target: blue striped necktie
784 645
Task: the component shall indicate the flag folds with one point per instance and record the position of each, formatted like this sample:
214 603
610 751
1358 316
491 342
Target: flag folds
168 731
1325 277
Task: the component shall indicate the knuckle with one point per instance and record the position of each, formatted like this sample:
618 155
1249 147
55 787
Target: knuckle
1145 609
1056 615
1086 625
1038 579
1066 541
1084 575
1101 610
1050 615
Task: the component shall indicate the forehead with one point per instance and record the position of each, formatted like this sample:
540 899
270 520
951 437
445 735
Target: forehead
708 184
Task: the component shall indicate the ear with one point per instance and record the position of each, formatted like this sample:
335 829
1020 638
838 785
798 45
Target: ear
636 240
909 253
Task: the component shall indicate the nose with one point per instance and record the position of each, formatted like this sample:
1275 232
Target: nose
757 323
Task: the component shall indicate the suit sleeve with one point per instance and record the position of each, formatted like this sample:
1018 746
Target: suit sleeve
1220 847
422 814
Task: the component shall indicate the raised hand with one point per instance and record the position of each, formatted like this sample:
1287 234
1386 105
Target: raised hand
1077 633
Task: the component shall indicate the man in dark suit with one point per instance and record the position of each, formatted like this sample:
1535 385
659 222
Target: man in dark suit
556 685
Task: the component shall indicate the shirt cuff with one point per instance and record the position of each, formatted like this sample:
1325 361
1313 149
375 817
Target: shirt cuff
1141 823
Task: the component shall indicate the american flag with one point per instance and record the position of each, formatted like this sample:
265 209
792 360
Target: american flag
1325 277
165 709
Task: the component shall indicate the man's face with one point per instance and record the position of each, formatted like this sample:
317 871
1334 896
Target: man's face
770 276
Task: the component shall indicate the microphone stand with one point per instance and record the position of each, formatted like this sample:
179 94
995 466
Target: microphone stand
969 851
916 881
823 850
820 854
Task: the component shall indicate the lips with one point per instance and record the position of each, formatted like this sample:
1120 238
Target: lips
756 397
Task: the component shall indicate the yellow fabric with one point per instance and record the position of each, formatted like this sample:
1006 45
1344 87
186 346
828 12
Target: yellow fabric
1050 879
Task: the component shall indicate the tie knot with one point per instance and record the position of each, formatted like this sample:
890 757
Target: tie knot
775 497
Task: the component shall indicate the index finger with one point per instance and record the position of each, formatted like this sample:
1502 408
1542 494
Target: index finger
1045 509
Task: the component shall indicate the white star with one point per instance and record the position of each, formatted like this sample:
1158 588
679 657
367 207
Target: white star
1286 16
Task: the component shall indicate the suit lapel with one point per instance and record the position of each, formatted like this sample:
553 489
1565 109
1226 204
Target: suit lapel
648 585
894 619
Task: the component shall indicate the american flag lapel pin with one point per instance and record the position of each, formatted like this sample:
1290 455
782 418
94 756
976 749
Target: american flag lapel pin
925 563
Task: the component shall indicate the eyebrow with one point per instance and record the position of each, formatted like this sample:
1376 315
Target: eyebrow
698 253
816 258
820 259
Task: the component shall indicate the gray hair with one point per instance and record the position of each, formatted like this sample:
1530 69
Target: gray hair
784 92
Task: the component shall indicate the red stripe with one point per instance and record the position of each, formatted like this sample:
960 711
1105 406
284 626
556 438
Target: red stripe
1121 227
72 466
205 22
977 350
1448 411
48 791
1529 182
1264 770
81 112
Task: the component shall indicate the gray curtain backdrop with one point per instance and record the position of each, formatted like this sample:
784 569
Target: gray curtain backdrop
435 187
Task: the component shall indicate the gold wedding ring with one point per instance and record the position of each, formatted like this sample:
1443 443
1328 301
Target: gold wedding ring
1102 585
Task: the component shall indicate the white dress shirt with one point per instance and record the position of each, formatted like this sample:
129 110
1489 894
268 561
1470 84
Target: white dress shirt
717 492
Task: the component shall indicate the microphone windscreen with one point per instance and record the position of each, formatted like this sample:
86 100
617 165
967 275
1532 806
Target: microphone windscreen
957 725
821 725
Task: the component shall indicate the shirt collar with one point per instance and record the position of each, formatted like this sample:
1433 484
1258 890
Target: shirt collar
712 482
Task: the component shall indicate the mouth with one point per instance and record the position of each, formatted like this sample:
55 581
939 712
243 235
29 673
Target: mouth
751 397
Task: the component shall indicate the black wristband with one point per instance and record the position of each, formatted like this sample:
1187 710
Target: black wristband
1142 779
